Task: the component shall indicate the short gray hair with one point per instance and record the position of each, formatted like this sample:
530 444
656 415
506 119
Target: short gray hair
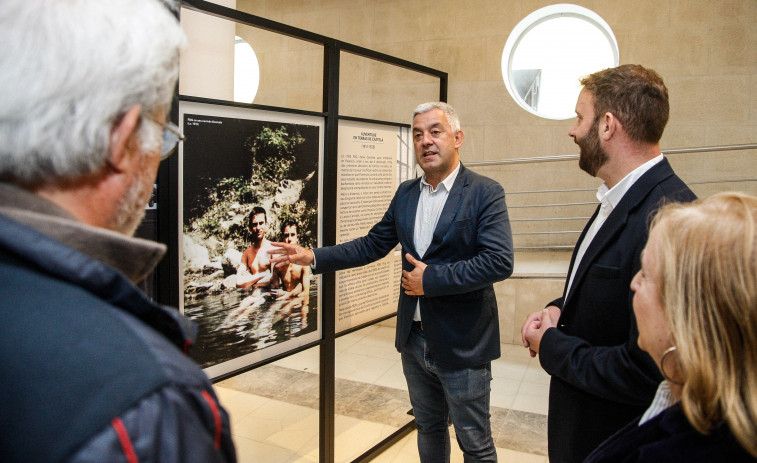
69 70
449 112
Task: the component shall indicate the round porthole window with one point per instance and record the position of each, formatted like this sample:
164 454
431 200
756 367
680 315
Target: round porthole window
246 71
549 51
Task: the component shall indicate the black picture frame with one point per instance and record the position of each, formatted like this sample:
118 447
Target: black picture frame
235 158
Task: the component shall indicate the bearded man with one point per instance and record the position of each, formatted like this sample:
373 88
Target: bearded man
587 339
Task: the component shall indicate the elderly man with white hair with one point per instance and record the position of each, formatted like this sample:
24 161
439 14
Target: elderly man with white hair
92 369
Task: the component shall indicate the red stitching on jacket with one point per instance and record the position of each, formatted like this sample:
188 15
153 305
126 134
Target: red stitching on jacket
123 436
216 417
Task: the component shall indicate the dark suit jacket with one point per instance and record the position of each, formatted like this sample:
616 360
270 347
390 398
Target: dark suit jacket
601 380
470 250
669 438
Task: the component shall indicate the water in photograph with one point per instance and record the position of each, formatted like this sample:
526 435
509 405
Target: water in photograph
235 323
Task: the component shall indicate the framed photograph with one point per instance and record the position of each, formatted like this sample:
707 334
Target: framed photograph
248 178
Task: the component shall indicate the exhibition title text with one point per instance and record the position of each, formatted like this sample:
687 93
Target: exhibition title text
368 136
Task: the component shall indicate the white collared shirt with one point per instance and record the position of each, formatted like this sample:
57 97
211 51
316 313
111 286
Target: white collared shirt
430 205
663 399
609 198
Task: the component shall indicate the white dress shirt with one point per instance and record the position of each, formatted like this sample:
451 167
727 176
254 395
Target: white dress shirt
663 399
609 198
430 205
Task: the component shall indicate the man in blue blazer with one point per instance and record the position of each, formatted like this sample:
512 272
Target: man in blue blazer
601 380
456 240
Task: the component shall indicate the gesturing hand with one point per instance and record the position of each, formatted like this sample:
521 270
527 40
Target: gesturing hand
284 254
412 282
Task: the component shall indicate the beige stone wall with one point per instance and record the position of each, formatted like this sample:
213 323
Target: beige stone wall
705 50
517 297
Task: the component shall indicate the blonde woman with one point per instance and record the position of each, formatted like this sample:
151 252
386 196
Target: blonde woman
696 306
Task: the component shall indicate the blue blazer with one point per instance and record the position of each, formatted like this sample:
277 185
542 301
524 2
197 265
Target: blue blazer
470 250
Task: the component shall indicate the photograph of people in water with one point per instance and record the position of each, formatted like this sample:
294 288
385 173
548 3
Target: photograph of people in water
247 183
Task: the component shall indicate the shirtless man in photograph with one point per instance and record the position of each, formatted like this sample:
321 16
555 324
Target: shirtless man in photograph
255 268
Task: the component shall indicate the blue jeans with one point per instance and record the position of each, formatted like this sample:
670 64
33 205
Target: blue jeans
438 395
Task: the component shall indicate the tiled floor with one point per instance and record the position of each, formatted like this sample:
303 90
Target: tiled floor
274 409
